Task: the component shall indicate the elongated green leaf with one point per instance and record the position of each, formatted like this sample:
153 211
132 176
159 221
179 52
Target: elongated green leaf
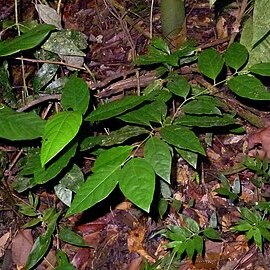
26 41
115 137
191 224
104 179
236 55
59 131
179 86
257 237
205 121
114 108
182 137
261 69
137 182
211 233
158 154
75 95
20 126
69 236
42 244
198 243
202 105
249 87
210 63
43 175
153 112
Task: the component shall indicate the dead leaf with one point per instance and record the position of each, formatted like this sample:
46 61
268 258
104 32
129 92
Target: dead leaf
21 246
3 240
259 143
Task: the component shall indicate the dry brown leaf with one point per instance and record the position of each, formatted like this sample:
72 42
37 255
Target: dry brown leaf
222 29
21 246
261 137
3 240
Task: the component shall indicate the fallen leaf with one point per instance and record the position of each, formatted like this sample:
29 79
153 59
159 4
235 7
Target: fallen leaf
3 240
21 246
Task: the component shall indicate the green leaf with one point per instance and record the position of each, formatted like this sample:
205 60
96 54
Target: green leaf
211 233
179 86
69 236
162 207
59 131
42 244
73 178
191 224
104 179
64 194
153 112
236 55
63 43
257 237
158 154
201 105
75 95
62 261
43 175
160 44
190 157
114 108
26 41
249 87
20 126
137 182
204 121
261 21
210 63
44 75
262 69
115 137
182 137
198 243
250 216
242 227
190 247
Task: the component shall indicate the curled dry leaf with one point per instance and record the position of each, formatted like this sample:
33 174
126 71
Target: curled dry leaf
259 143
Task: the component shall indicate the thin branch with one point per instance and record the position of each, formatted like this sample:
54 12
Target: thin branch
41 99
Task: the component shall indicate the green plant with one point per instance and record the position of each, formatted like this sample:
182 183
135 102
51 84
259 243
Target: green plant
254 225
189 238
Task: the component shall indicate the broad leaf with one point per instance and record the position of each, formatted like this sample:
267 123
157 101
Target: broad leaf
102 182
20 126
59 131
249 87
261 20
158 154
210 63
262 69
179 86
115 137
211 233
182 137
236 55
114 108
202 105
205 121
26 41
137 182
154 112
75 95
